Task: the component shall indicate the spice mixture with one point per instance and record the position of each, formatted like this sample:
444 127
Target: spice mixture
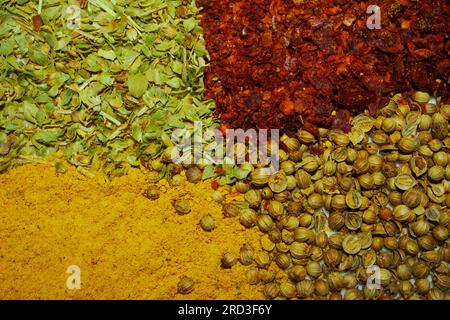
357 197
126 245
289 63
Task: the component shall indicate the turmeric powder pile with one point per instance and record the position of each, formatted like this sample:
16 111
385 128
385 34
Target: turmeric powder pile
125 245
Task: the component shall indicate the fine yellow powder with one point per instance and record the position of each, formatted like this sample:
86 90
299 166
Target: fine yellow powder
126 246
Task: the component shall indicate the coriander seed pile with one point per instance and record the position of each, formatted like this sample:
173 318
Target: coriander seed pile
345 208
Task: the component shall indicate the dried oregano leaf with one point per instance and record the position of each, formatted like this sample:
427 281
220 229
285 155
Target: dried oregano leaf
137 85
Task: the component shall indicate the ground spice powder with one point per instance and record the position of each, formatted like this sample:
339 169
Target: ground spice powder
126 245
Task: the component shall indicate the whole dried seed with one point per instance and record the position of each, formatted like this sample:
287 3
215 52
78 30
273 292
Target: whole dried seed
385 203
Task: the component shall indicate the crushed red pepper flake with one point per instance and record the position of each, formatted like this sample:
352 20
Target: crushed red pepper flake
215 185
315 150
37 22
219 170
291 63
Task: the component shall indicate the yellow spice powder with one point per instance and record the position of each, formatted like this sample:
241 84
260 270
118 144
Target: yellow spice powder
126 246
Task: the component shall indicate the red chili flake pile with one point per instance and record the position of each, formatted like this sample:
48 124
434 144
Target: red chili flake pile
289 63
